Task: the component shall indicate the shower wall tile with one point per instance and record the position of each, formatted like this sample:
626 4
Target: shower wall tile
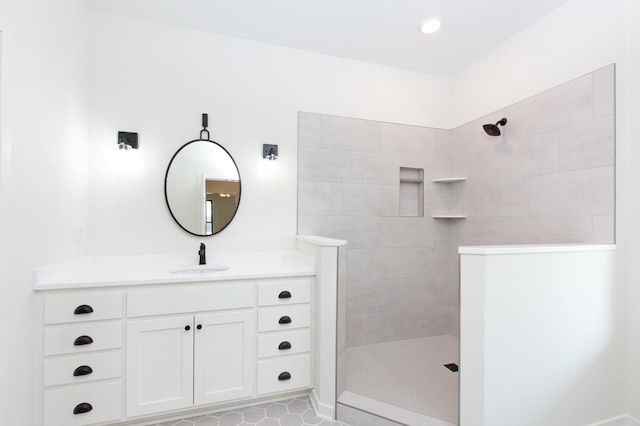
479 231
388 263
368 200
494 198
311 225
548 230
604 229
327 165
563 106
399 232
410 323
355 134
454 324
354 260
396 294
319 198
529 156
586 192
438 197
603 95
587 145
310 131
414 140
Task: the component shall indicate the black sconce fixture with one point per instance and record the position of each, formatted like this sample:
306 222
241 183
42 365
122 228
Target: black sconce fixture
127 140
270 152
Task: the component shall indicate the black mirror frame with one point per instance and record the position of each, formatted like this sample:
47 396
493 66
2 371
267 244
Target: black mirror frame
166 198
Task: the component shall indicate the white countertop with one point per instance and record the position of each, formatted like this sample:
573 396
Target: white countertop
533 248
108 271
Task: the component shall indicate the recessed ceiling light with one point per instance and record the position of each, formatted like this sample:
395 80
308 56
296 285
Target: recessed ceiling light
431 26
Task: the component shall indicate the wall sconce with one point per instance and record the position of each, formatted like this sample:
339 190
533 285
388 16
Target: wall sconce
270 152
127 140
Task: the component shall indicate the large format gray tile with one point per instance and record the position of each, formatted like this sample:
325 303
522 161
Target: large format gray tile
603 93
578 193
587 145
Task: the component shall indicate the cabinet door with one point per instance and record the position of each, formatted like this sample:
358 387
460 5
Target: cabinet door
224 356
159 365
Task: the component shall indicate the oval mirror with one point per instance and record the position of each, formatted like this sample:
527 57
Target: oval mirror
202 187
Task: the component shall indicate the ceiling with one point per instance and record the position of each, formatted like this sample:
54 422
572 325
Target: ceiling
379 31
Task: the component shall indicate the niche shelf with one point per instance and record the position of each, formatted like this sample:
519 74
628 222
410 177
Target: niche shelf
449 180
411 203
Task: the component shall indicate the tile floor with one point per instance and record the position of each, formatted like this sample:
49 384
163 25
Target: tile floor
291 412
408 374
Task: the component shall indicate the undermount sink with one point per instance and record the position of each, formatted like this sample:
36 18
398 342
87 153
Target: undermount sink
198 269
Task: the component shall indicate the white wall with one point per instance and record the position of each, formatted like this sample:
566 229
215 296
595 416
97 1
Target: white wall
576 38
43 171
628 187
157 80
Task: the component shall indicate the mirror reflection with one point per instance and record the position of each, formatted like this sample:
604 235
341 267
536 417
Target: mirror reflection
202 187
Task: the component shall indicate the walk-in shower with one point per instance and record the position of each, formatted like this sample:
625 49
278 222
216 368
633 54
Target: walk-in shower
398 304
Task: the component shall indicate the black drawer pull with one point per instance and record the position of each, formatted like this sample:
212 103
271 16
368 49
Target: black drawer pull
199 326
284 320
83 407
82 340
284 345
284 376
187 327
83 370
82 309
284 295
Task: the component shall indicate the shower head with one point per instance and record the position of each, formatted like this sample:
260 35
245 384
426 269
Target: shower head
493 129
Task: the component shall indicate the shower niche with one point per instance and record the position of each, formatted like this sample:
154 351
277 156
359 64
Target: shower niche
411 200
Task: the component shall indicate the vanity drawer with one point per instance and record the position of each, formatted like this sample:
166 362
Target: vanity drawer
190 298
284 292
104 401
82 307
59 340
82 368
284 343
283 374
283 318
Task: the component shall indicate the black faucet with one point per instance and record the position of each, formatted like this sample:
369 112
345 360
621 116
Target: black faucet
203 254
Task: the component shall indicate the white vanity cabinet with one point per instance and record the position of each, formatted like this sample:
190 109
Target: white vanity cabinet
82 358
151 343
284 335
179 355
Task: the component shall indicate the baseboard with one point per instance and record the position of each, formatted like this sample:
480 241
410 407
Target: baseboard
324 411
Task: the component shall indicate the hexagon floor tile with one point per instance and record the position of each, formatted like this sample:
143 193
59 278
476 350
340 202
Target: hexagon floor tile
291 412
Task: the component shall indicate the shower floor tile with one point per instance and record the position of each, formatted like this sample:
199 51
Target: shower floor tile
409 374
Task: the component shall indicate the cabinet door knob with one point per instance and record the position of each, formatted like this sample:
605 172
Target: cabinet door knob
187 327
284 376
199 326
284 320
83 370
83 407
82 340
82 309
284 295
284 345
